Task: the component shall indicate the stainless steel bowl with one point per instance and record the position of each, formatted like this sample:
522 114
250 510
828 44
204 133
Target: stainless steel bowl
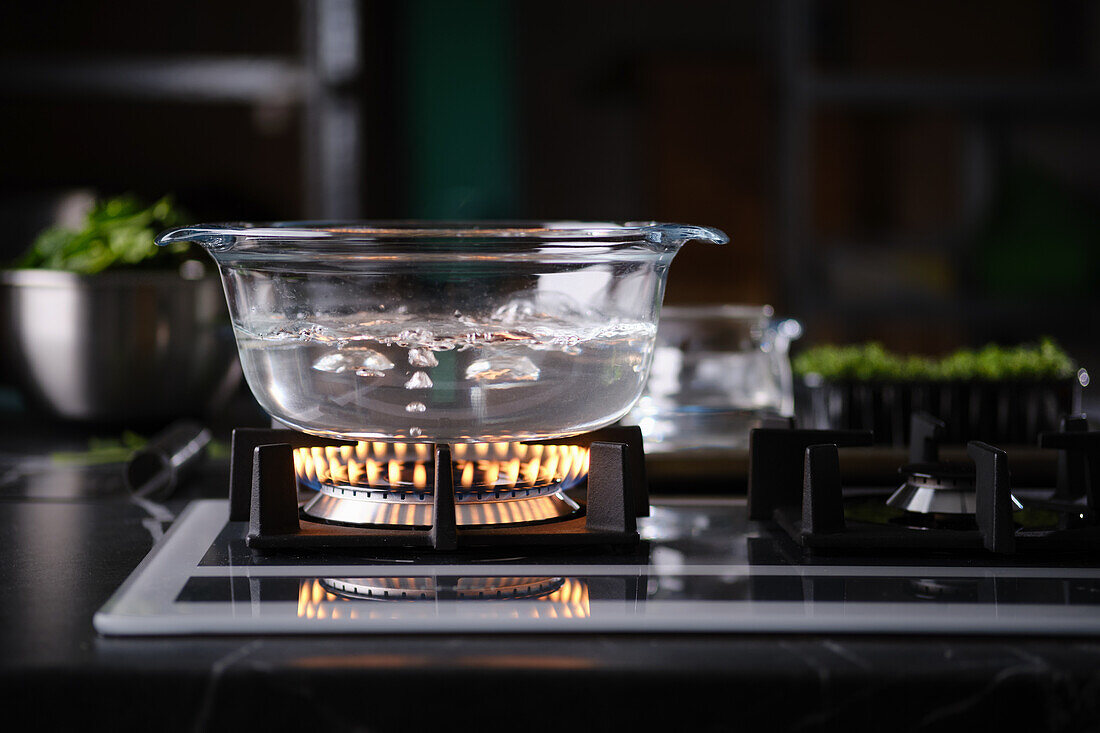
118 346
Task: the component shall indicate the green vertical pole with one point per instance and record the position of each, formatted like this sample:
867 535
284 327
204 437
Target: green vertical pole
460 110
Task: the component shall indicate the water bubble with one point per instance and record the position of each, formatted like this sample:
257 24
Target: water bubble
414 336
310 332
419 380
352 360
415 407
539 306
502 371
415 432
422 358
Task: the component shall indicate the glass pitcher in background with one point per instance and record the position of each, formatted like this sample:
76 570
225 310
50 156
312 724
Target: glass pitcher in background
717 372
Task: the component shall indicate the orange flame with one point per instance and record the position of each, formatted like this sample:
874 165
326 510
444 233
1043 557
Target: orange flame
490 466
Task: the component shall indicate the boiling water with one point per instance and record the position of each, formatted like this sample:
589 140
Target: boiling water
511 375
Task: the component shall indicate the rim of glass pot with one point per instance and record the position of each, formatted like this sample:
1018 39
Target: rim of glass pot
369 238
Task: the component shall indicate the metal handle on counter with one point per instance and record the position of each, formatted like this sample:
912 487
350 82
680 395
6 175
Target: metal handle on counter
154 471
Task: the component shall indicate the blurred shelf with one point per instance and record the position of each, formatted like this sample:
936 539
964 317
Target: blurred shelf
1026 93
1024 310
193 79
322 79
988 102
940 240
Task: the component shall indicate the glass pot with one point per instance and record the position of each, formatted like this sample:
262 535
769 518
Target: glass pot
444 332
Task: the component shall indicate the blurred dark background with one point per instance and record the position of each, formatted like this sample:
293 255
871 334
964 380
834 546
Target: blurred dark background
924 173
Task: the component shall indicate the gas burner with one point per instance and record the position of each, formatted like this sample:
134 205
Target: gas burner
939 488
392 509
794 479
386 484
405 497
427 588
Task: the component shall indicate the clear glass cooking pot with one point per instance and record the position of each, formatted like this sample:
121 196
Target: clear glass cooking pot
444 332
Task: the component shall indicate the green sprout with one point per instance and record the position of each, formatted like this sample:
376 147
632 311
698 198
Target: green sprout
871 361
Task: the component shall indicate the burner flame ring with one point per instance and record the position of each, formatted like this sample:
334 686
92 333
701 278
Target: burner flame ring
384 484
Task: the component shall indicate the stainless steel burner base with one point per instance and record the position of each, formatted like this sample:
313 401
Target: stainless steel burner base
940 488
931 499
331 507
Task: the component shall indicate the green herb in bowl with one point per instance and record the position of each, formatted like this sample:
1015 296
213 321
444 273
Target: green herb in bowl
117 232
101 325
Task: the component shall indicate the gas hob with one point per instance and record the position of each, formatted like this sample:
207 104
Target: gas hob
952 550
702 566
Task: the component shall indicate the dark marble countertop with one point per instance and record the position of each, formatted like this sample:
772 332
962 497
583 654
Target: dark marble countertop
69 537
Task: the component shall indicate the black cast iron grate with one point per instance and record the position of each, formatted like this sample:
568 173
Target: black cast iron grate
263 492
794 479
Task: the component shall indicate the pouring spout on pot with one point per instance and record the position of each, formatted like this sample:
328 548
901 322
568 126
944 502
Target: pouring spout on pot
212 238
673 236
